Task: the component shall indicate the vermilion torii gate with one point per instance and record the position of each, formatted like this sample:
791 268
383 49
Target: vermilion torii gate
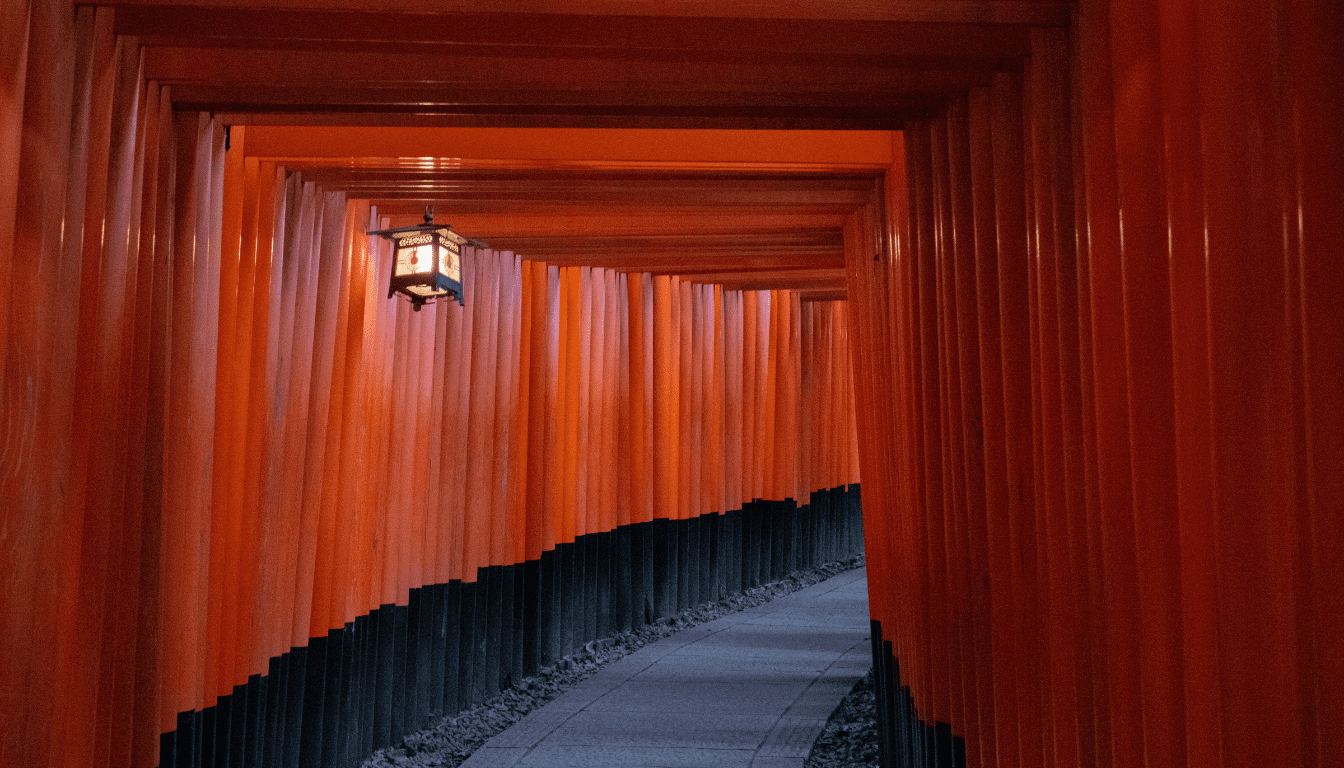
1082 259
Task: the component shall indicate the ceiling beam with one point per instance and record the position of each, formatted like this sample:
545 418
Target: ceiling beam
559 35
376 116
990 12
749 228
860 155
824 279
580 80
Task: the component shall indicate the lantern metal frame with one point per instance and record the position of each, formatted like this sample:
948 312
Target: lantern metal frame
443 278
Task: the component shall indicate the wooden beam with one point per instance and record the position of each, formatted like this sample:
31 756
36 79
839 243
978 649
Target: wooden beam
823 294
472 78
374 116
709 221
559 35
377 106
819 154
991 12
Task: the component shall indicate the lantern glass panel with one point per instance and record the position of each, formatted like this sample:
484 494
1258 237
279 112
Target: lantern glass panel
415 259
450 260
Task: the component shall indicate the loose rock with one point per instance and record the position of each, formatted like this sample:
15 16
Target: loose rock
850 737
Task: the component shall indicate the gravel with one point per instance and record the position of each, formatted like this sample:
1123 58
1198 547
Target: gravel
850 737
451 740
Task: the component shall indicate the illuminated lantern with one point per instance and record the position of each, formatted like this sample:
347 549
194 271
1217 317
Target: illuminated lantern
426 261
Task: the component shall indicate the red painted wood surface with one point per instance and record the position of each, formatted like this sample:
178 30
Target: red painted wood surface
1093 343
323 450
1091 525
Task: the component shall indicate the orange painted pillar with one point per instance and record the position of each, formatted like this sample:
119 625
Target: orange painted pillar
609 375
326 428
1313 191
643 426
1193 450
665 402
990 578
521 425
540 534
554 408
191 393
735 443
582 440
149 380
1015 328
750 395
1054 357
482 305
681 365
1114 469
506 337
1252 383
1139 149
930 557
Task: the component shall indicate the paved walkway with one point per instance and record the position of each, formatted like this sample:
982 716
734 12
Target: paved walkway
750 689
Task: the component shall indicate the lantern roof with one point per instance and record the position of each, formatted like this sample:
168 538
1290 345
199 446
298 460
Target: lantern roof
444 230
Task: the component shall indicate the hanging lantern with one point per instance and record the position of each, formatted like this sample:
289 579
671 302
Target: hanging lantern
426 261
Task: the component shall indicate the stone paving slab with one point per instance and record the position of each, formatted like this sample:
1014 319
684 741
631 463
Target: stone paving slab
706 695
746 669
635 757
750 690
496 757
682 730
767 761
770 639
814 708
529 731
792 736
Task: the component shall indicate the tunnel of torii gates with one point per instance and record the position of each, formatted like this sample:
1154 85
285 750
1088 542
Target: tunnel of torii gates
1071 313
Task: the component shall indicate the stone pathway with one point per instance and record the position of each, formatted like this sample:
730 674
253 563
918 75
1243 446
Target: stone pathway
753 688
